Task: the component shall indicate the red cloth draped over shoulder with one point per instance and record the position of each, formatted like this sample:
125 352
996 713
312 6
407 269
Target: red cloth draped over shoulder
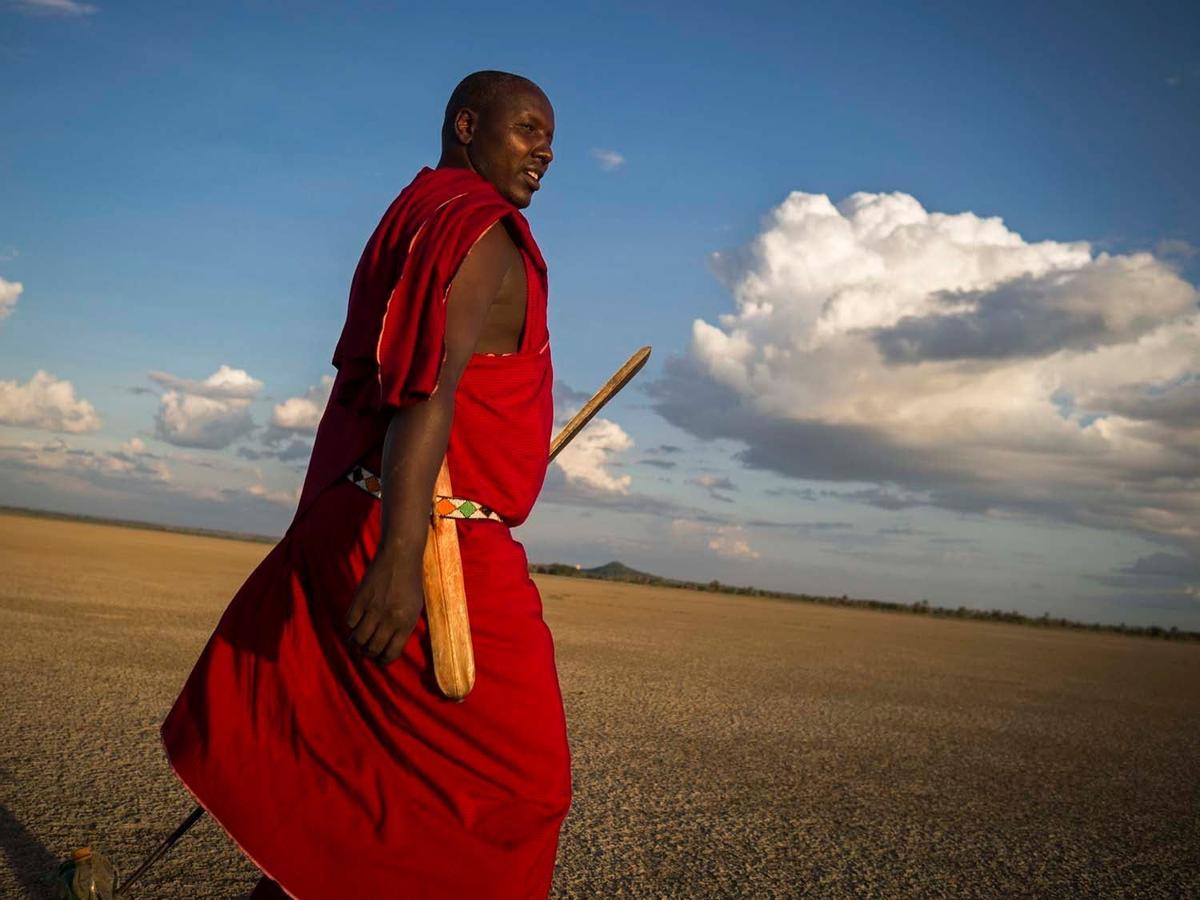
392 346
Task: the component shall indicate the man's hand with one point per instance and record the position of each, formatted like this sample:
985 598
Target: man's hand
387 604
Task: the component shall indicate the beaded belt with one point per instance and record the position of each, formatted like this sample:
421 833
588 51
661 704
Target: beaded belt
446 507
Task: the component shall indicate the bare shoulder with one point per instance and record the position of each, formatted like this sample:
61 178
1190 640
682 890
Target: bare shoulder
476 287
492 256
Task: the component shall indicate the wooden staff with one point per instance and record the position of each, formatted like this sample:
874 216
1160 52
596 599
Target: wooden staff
445 595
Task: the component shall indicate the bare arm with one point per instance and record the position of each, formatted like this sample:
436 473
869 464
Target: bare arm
389 599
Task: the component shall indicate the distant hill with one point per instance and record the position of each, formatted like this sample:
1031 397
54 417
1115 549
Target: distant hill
613 571
618 571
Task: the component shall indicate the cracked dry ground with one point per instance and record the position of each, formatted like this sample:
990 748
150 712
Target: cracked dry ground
723 746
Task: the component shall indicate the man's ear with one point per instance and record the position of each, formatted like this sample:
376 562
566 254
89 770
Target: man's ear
465 124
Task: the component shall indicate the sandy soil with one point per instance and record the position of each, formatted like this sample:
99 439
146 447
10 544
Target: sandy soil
723 746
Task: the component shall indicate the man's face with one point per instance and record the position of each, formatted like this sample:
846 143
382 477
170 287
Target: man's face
510 144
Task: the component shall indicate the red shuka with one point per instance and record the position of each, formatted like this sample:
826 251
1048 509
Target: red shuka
337 776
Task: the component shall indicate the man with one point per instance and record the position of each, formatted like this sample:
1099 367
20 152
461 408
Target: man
311 728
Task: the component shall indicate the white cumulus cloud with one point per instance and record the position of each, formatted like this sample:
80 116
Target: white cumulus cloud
10 291
728 541
732 547
586 460
46 402
190 421
209 414
303 414
875 341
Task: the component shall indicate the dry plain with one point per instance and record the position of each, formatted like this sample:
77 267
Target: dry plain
723 746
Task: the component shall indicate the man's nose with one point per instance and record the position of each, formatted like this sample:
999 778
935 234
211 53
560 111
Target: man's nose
544 154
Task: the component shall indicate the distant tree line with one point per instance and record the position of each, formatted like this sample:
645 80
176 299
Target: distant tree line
616 571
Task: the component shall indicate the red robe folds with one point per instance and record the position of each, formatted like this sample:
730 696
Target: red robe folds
336 776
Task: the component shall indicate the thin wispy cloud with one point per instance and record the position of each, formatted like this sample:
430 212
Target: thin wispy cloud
294 452
561 490
1174 249
715 486
64 8
286 499
658 463
1188 73
130 481
565 395
608 160
226 383
1157 581
129 465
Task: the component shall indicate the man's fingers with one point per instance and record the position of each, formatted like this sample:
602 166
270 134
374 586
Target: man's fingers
354 616
364 631
379 631
395 647
379 640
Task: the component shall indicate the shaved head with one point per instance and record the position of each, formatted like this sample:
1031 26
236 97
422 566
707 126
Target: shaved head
480 92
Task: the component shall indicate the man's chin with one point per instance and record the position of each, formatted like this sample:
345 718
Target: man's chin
518 195
520 199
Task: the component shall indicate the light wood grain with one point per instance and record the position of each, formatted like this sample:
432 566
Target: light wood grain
446 601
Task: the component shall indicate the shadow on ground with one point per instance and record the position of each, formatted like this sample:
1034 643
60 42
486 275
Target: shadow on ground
28 859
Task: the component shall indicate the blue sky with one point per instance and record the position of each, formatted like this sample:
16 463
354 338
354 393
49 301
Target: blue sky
905 398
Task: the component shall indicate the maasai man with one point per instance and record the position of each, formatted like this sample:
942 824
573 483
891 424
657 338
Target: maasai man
311 728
